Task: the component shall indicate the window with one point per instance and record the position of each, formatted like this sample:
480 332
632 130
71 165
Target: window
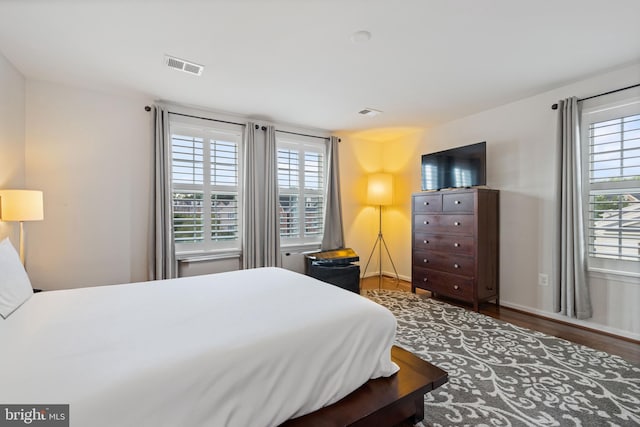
205 171
612 186
301 187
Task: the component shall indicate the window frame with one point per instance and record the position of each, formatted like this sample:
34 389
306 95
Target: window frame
209 131
303 145
598 113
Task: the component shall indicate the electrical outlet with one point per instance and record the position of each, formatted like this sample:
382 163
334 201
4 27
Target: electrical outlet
543 279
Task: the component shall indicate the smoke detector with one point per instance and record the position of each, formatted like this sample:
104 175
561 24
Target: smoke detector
369 112
182 65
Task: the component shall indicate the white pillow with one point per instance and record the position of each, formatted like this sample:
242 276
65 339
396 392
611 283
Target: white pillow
15 287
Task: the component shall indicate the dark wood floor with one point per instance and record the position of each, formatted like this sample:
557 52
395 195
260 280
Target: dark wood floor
625 348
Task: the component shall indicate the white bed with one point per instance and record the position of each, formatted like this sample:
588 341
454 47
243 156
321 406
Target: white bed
246 348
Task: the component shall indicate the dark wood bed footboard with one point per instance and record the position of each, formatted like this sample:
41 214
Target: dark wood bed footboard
392 401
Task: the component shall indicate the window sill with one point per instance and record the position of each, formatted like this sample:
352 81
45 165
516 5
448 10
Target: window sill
206 256
300 247
618 276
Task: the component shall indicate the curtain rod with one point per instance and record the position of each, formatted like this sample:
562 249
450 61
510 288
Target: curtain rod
148 108
207 118
555 106
302 134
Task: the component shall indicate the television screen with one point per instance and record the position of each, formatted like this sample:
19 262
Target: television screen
455 168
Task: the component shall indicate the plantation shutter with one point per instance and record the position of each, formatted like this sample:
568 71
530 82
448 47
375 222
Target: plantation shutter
614 204
314 197
224 195
187 155
205 184
301 187
288 184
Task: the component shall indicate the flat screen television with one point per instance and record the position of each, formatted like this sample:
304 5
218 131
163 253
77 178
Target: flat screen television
455 168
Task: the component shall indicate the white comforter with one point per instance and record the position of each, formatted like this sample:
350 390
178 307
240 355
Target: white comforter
247 348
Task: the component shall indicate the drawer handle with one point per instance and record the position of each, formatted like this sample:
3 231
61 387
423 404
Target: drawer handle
426 242
456 265
456 287
426 222
426 261
457 245
424 280
457 202
456 223
426 203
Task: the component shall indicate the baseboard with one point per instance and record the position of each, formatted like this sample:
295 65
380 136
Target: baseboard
555 317
619 333
608 330
390 275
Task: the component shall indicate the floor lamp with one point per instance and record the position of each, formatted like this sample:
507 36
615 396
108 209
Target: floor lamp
21 205
380 193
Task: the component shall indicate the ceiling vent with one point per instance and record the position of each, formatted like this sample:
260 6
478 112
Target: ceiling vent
369 112
182 65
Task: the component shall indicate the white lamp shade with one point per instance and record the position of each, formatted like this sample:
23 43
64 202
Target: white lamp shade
380 189
21 205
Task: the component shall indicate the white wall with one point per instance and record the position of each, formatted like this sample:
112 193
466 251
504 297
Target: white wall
12 128
359 157
521 156
363 153
90 153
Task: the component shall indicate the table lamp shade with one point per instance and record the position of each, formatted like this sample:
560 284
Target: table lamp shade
21 205
380 189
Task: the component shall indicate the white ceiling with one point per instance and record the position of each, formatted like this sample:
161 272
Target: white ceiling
293 61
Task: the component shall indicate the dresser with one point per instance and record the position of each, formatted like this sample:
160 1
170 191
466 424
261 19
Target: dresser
455 244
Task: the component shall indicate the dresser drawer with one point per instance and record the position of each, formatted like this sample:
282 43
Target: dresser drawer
427 203
455 224
458 202
456 245
443 283
442 261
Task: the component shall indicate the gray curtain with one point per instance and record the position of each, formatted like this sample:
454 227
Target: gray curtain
572 290
261 239
250 253
271 203
162 262
333 237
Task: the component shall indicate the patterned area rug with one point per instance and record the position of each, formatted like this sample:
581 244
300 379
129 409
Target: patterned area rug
504 375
